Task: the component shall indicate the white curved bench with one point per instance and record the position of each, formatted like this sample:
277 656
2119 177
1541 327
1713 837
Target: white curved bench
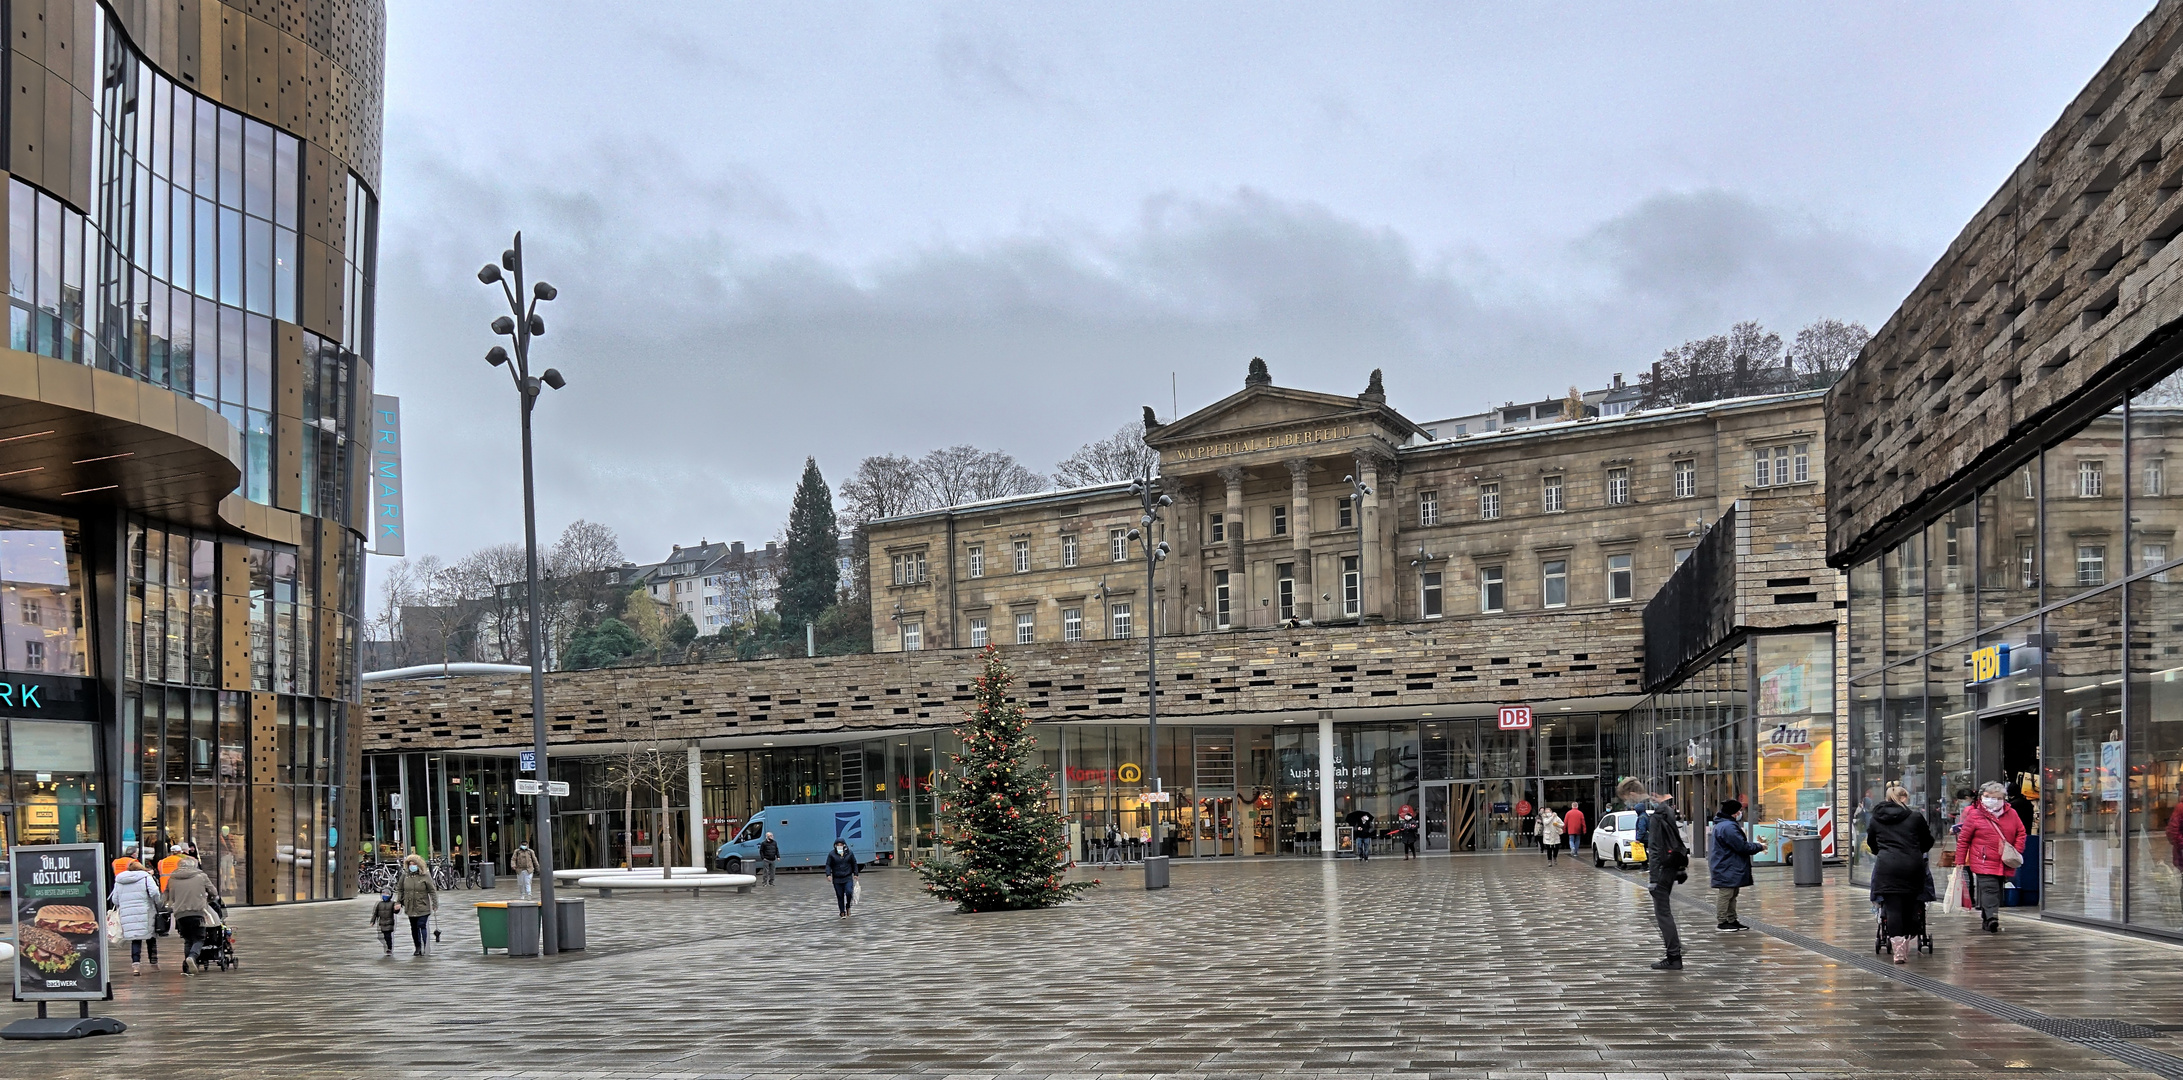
607 883
560 876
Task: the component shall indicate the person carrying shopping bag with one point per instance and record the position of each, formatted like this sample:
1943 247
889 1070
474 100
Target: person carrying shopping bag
1990 844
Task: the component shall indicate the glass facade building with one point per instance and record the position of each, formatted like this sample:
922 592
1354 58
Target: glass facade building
2029 635
182 392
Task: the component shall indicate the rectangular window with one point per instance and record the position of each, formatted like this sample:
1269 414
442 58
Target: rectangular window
1120 623
977 560
34 655
1621 579
1068 549
1554 583
2155 555
1352 586
1026 627
1429 594
1772 466
1023 556
1220 529
1118 545
1681 554
1345 512
1284 588
913 636
2091 564
1550 495
2027 564
2091 479
1072 624
2156 477
1280 521
1492 589
1618 487
33 612
1489 501
977 632
1686 479
1220 599
1428 508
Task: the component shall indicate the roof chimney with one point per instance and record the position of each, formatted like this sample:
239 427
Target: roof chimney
1618 380
769 547
737 548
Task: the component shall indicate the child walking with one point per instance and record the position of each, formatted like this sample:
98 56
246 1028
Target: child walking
382 920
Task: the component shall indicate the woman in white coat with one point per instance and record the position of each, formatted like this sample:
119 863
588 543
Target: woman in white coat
1550 832
135 901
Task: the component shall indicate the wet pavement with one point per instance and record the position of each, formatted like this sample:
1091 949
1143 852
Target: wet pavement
1460 967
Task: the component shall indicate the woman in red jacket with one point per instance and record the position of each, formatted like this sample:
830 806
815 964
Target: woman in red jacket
1984 827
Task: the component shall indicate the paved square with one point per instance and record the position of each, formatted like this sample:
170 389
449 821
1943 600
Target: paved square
1475 966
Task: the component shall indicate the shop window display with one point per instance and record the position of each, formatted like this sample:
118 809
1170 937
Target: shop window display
2084 771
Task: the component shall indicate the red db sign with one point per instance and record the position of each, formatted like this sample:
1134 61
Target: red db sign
1515 717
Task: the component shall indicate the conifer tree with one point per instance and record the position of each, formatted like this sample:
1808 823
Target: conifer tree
1007 845
810 574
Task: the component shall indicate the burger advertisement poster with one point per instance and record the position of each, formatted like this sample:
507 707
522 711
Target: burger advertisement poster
60 930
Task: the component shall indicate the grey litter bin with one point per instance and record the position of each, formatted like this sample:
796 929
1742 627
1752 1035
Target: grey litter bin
1155 872
1806 857
523 928
571 924
485 874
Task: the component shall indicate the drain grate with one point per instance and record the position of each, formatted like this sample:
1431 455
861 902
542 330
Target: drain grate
2108 1037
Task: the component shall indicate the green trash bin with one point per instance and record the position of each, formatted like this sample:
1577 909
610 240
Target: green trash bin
492 925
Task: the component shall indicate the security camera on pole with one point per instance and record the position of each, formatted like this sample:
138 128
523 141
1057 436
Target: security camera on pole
520 325
1147 491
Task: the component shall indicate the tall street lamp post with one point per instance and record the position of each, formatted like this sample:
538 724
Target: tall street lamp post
520 325
1147 491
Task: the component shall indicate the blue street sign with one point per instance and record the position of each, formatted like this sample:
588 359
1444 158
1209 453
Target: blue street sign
527 761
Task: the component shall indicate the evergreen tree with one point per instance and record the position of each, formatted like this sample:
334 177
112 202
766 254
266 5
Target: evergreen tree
1007 847
809 573
600 645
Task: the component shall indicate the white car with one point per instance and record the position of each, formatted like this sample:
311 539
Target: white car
1616 839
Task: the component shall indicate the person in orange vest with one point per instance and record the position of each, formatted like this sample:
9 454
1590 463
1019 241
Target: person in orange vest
174 859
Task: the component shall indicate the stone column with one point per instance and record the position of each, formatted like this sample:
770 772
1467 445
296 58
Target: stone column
1329 838
1300 531
1239 577
699 855
1372 597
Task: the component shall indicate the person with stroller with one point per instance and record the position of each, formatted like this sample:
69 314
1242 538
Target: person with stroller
418 898
1899 838
135 901
193 900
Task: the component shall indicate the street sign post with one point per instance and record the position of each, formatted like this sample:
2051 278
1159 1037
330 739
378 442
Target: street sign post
541 787
527 787
527 761
1515 717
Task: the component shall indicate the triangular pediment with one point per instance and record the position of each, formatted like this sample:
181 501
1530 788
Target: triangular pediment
1255 408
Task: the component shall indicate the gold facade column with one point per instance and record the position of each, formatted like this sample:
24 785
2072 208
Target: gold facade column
1239 575
1300 532
1372 597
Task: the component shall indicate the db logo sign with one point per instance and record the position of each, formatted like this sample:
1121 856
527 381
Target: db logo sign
1515 717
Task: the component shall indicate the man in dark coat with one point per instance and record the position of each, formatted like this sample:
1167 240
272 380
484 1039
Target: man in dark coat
1360 822
842 870
1667 859
1729 859
769 857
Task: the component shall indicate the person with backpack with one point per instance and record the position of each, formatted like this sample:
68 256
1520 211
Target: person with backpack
1729 864
1990 845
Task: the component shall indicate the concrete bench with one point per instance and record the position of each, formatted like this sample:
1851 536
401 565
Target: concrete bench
565 876
696 883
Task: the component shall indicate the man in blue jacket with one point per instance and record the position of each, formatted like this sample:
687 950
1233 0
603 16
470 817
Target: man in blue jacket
1730 860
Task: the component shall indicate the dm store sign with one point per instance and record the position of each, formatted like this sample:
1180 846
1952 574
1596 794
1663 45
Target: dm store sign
60 935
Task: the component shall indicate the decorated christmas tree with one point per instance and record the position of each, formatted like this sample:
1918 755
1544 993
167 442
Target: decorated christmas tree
1006 846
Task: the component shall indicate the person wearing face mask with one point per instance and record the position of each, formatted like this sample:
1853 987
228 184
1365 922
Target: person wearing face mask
1988 832
842 870
418 898
525 864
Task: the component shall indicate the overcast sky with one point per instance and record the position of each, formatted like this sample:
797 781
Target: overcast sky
842 230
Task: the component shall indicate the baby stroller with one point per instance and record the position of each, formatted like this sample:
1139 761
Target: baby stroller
215 943
1879 931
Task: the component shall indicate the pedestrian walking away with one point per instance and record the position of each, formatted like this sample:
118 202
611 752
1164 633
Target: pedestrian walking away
382 920
1573 823
525 864
135 901
1989 844
1667 861
418 898
189 895
1899 837
769 856
1729 862
1551 826
842 870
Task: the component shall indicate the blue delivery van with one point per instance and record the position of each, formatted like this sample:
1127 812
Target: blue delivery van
806 833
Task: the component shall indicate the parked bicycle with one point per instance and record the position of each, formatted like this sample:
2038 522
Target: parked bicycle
375 878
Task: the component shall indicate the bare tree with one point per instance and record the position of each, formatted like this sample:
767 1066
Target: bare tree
883 486
397 590
662 766
955 475
1825 349
483 576
576 585
1120 456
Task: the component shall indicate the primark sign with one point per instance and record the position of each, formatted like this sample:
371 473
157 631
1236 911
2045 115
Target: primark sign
44 697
